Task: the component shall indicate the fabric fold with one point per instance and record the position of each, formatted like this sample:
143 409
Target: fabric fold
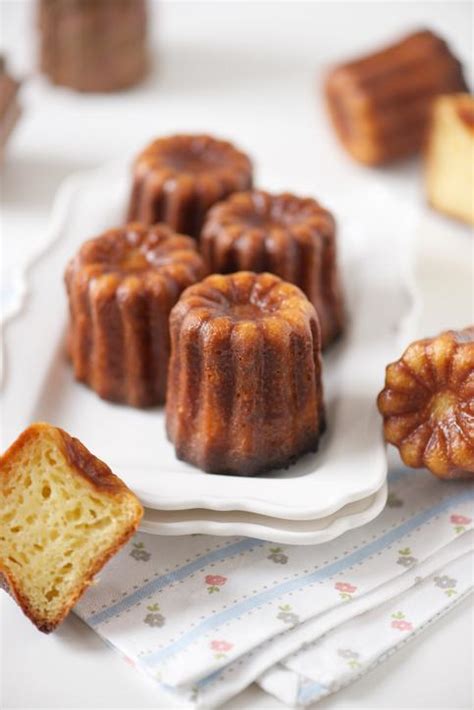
206 616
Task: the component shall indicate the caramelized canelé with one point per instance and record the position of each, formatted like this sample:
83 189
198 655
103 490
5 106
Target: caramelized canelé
449 157
177 179
292 237
244 387
121 288
379 104
428 404
93 45
63 514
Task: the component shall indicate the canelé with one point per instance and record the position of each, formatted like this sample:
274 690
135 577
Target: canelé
177 179
63 514
93 45
428 404
9 106
379 104
292 237
449 157
244 386
121 287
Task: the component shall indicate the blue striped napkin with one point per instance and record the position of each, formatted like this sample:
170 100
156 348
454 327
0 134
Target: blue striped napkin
206 616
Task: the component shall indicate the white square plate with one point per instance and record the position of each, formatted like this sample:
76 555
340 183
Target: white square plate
375 255
263 527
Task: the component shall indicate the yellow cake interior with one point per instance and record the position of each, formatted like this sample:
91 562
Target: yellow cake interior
55 526
450 157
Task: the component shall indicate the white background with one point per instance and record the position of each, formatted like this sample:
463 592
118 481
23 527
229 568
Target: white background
249 72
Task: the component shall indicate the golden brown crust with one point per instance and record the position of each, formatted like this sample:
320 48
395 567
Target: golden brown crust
428 404
99 475
177 179
121 288
245 392
77 455
379 105
292 237
465 112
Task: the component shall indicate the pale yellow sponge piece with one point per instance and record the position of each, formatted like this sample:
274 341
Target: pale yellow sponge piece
449 167
63 514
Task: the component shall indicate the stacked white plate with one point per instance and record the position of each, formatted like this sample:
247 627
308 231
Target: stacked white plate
323 495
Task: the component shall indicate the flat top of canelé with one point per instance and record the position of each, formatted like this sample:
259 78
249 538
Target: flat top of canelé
136 249
246 297
196 156
264 214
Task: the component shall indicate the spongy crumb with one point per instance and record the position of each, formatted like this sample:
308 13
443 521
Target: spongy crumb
55 526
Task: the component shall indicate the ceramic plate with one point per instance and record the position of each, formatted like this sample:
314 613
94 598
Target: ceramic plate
262 527
351 464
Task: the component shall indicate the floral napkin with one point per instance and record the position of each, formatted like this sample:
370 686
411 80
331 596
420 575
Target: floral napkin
206 616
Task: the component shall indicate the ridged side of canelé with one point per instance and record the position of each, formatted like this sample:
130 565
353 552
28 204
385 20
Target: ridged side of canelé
292 237
244 394
118 333
380 104
428 404
162 191
93 46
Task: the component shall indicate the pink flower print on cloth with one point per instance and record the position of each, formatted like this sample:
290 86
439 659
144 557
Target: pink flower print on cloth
399 622
460 522
214 582
221 647
345 590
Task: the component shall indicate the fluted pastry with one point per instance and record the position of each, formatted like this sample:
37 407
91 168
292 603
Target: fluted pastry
93 45
449 157
177 179
379 104
121 287
292 237
244 389
428 404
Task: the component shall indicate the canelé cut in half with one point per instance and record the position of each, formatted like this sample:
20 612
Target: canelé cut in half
244 389
63 514
177 179
379 104
292 237
121 288
428 404
449 157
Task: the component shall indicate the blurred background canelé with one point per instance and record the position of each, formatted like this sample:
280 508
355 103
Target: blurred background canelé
93 45
9 105
380 103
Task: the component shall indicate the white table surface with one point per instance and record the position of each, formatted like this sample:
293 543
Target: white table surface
260 60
